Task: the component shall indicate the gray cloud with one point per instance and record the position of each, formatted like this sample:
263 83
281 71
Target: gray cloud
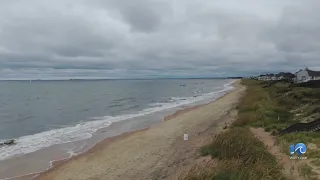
142 19
148 38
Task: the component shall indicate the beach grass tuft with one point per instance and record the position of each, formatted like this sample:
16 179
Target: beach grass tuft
241 156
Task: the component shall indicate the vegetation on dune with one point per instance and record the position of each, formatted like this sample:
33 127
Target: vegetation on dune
240 155
278 106
253 161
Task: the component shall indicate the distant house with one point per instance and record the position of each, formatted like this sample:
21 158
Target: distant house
306 75
262 77
285 76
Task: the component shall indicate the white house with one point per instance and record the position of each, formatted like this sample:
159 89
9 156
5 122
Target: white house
306 75
262 77
267 77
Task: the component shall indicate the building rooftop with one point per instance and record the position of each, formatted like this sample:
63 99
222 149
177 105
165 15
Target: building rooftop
313 73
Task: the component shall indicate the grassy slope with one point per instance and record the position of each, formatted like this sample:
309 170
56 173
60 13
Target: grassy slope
242 156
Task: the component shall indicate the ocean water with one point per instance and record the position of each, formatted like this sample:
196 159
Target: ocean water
40 114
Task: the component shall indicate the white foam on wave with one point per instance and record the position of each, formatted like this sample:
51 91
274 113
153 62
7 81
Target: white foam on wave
180 101
84 130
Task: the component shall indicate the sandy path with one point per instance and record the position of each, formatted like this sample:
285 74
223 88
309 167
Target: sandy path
156 153
291 167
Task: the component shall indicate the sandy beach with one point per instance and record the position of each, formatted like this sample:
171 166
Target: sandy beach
158 152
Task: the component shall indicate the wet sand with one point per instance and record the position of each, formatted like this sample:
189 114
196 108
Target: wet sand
38 161
158 152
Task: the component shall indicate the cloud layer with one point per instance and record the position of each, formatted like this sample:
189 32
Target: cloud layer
152 38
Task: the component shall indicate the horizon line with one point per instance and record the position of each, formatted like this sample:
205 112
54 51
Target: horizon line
75 79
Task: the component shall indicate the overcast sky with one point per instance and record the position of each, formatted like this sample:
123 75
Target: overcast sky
156 38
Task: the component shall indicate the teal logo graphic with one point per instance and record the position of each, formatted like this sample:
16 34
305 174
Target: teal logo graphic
299 149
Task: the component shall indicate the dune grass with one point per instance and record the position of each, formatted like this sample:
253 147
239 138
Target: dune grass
240 155
266 107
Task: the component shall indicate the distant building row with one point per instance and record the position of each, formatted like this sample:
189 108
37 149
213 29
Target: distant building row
274 77
299 77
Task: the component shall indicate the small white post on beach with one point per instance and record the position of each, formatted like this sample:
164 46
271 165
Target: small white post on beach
185 137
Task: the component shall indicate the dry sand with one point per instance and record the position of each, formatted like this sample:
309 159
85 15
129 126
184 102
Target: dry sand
158 152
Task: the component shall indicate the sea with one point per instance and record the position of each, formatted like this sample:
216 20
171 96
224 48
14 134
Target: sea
71 116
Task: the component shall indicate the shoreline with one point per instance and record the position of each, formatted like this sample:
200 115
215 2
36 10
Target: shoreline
113 140
109 140
58 163
235 84
102 144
